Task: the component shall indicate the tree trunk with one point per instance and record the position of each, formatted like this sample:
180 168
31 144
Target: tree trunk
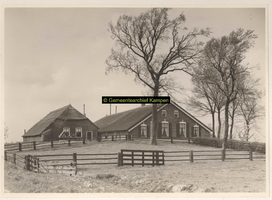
153 137
231 127
247 131
225 139
219 123
213 125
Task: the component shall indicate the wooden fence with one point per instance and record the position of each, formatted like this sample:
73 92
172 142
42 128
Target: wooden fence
141 157
68 163
28 146
116 137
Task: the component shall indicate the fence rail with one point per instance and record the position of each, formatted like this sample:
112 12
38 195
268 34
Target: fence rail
58 163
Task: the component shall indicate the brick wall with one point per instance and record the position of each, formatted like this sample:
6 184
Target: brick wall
173 121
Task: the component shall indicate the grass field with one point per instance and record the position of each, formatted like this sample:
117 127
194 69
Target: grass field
202 176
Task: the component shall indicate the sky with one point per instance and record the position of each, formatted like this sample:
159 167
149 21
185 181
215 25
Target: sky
56 56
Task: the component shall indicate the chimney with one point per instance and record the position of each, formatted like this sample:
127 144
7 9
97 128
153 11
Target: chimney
24 131
115 109
84 110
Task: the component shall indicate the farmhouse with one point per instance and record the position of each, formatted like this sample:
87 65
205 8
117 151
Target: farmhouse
174 121
65 122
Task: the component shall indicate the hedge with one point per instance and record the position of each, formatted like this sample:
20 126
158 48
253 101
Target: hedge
231 144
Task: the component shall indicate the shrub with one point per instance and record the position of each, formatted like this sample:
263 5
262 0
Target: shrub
231 144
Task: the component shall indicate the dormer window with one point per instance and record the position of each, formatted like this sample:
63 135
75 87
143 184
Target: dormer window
164 113
176 113
78 132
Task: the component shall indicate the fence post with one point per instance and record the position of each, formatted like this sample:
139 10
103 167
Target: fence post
69 142
20 146
189 140
34 145
142 158
84 140
250 155
223 155
153 158
171 140
163 157
118 160
112 138
14 158
126 137
191 156
6 157
75 162
38 165
157 158
52 145
132 158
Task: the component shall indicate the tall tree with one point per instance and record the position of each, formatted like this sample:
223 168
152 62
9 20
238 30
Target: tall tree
206 96
249 107
225 56
137 50
202 101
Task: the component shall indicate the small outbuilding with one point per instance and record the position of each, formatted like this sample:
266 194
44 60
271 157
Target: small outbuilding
65 122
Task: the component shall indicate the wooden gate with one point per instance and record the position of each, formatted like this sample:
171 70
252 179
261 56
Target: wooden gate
32 163
141 157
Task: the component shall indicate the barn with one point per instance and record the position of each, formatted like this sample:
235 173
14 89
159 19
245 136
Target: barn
65 122
173 122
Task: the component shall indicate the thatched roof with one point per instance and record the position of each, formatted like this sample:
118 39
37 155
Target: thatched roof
128 120
65 113
124 120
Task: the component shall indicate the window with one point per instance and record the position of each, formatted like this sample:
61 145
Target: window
182 128
165 129
78 132
196 130
176 113
65 133
164 113
143 130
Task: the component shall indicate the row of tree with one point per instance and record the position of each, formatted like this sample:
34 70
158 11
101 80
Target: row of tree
222 83
151 46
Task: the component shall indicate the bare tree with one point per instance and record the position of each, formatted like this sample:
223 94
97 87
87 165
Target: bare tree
202 101
137 50
249 107
225 57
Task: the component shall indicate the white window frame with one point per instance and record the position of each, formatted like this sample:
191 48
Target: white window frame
163 125
164 113
182 125
65 129
144 128
176 113
76 130
196 130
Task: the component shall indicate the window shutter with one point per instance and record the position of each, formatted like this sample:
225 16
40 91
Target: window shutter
139 131
192 132
170 130
148 131
160 130
199 131
177 129
187 130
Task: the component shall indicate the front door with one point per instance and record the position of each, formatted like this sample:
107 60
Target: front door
89 135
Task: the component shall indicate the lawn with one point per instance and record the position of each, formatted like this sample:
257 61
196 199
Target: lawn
182 177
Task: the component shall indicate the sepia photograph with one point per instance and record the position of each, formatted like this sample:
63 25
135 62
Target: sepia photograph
149 100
